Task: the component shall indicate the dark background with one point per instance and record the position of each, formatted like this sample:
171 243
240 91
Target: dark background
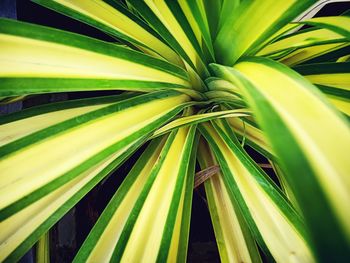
69 233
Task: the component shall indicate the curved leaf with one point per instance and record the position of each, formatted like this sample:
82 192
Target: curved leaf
303 138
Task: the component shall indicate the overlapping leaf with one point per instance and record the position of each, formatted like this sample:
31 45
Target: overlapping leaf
234 239
50 184
302 137
275 225
35 58
53 155
146 219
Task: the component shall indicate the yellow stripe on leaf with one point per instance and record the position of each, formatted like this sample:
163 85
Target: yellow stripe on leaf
165 15
76 143
233 238
103 250
25 57
102 12
308 38
305 54
339 24
20 128
316 137
17 228
253 23
280 235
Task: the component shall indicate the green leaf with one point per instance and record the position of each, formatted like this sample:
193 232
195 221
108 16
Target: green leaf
24 228
149 200
335 75
268 213
43 249
115 126
297 117
213 13
251 24
112 18
302 39
338 24
312 53
252 135
331 56
196 15
331 78
174 29
312 136
31 51
198 118
226 216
